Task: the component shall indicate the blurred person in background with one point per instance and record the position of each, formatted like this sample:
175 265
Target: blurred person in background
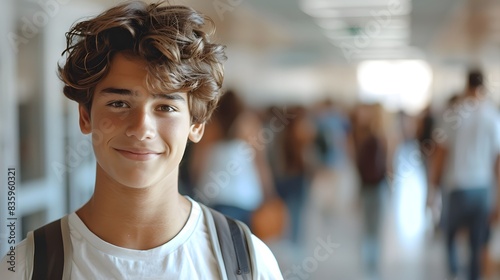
425 126
436 200
371 155
234 176
334 150
333 129
466 164
294 165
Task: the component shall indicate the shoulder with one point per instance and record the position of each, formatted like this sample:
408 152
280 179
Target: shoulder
266 265
491 116
263 261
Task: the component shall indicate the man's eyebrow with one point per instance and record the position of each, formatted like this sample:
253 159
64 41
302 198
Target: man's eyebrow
124 91
113 90
169 96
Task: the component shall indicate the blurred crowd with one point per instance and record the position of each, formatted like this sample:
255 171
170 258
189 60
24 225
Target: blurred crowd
259 164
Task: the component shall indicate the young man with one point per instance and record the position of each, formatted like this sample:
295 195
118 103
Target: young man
146 78
466 164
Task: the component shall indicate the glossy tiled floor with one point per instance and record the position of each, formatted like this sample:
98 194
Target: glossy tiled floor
409 248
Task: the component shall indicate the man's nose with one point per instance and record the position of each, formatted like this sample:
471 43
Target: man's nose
141 125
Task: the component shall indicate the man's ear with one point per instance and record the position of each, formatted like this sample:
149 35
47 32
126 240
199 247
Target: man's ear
85 125
196 132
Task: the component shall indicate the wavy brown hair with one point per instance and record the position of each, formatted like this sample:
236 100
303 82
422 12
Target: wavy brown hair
179 54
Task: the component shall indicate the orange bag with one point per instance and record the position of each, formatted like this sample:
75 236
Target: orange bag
270 220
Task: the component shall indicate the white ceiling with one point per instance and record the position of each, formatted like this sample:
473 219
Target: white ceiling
434 30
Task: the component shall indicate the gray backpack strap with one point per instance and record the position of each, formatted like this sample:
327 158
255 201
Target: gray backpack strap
234 248
251 250
52 254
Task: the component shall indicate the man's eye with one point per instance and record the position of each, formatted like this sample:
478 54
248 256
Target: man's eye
166 108
118 104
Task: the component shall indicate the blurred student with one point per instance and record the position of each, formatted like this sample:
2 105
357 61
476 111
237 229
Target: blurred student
334 154
333 129
436 197
293 168
466 164
371 152
234 176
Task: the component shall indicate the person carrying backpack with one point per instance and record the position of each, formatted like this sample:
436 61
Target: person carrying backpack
146 78
370 144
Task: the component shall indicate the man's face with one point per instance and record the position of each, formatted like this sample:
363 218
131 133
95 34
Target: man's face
138 136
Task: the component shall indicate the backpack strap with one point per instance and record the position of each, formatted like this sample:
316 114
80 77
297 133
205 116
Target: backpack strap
251 249
232 243
52 251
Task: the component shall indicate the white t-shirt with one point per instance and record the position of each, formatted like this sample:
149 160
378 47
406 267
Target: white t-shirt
473 141
188 255
230 176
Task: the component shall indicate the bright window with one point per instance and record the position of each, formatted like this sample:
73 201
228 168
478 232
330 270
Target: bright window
397 84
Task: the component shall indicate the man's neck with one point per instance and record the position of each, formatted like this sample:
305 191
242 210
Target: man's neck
135 218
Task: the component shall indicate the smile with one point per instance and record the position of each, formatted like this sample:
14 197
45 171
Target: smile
139 155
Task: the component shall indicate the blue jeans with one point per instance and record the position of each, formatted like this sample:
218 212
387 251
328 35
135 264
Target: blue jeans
468 209
372 198
292 190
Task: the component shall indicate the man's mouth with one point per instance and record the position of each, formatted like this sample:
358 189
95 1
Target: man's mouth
138 154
